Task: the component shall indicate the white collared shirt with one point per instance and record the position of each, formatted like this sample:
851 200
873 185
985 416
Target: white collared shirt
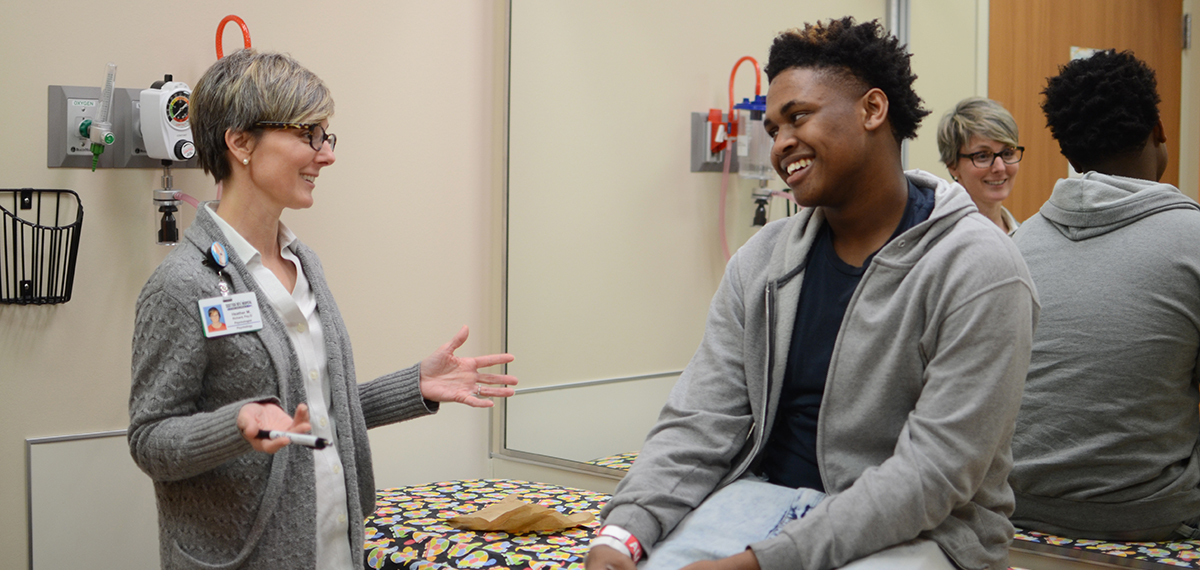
298 311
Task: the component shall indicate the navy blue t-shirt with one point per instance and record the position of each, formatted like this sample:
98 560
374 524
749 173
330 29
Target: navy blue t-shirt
790 457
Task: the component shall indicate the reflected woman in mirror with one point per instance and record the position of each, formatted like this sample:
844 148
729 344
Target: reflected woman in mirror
977 140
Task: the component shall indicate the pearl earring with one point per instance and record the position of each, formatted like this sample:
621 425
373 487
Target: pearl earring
245 161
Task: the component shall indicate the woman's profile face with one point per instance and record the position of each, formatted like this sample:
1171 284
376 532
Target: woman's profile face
986 185
285 167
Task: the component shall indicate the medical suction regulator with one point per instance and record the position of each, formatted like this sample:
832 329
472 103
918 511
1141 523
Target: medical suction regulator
165 115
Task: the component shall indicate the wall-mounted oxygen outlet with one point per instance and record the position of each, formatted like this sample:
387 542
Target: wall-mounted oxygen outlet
68 106
78 111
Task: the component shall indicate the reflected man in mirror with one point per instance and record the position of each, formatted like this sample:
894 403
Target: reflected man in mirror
1106 441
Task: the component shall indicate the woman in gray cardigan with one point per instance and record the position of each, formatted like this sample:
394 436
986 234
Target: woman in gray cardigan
201 400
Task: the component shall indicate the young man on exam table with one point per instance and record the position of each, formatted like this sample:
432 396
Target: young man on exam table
853 399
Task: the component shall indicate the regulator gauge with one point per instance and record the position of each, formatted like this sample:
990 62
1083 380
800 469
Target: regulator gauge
177 108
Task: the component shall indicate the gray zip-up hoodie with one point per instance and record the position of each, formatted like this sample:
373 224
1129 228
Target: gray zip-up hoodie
1106 439
923 389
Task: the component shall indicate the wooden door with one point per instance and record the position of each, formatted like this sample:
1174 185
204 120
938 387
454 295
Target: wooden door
1029 39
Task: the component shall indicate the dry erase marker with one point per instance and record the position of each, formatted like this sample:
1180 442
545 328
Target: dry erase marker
297 438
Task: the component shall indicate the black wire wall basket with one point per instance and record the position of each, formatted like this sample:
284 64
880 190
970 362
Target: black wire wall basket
39 245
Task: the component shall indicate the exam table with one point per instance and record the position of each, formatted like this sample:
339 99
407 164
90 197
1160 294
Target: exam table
409 531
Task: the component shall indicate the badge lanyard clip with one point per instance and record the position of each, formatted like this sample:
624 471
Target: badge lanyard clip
225 294
220 258
230 313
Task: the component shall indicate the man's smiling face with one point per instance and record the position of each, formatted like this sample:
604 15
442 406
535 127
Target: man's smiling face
815 117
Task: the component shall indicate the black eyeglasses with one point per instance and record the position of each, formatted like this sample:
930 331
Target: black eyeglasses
314 140
985 158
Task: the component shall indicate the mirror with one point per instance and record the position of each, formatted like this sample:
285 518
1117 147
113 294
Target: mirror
613 251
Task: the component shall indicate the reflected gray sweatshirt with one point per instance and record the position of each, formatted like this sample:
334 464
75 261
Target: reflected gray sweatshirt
1106 438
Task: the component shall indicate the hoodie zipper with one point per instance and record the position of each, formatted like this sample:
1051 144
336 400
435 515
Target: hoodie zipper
770 362
771 288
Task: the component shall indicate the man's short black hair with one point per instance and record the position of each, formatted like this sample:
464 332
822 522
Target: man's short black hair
865 52
1101 106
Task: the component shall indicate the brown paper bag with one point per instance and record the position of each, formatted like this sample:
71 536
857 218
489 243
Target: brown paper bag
512 515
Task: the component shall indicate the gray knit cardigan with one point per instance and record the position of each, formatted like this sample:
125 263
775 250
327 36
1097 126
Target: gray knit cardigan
220 503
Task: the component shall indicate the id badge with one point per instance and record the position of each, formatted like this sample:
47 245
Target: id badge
237 314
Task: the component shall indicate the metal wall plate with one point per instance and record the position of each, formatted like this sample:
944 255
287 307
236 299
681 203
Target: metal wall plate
66 106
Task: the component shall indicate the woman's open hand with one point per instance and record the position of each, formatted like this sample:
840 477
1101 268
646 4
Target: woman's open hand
449 378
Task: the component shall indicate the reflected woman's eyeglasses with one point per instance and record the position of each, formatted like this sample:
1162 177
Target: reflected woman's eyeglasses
985 158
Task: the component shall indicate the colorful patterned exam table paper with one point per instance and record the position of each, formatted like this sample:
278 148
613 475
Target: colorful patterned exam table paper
409 531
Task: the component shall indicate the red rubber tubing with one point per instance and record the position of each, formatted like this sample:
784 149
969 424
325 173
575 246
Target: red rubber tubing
757 88
246 36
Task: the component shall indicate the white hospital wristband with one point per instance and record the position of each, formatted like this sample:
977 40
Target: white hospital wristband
610 542
629 543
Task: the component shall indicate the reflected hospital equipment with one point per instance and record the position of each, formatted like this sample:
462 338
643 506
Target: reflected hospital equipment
741 129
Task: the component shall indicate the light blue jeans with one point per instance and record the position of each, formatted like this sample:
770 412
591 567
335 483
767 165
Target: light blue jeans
750 510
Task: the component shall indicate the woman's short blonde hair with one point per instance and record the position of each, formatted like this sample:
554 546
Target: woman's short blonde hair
246 87
974 116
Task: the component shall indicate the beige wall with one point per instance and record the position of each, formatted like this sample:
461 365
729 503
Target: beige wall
405 222
944 40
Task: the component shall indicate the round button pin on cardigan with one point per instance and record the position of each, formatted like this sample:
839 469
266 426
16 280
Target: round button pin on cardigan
218 254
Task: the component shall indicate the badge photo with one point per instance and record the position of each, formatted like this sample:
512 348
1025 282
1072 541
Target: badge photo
237 314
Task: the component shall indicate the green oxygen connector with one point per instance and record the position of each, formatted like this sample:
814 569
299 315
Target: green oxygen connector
103 133
97 150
